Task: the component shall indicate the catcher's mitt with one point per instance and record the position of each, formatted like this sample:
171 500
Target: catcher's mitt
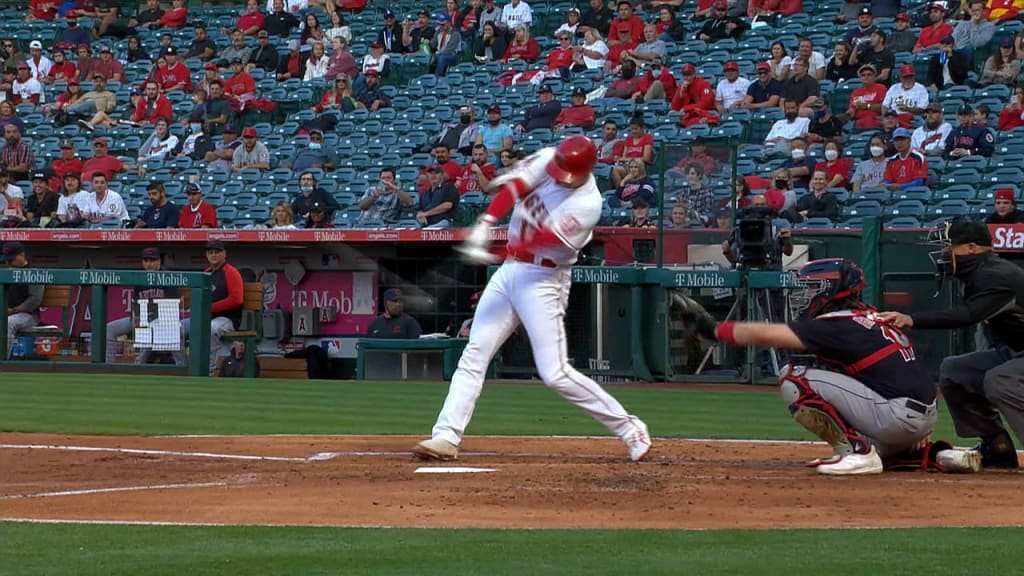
695 318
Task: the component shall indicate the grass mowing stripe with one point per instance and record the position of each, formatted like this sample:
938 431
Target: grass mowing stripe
124 404
87 550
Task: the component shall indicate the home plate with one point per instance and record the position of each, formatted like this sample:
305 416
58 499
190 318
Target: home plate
451 470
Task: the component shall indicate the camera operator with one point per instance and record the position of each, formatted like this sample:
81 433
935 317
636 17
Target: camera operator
758 215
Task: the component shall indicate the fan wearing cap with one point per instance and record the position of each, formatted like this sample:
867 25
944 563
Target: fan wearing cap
445 45
148 16
252 20
968 139
731 90
42 10
976 32
580 114
176 16
197 213
63 70
38 63
251 154
390 34
416 36
265 56
765 92
949 67
930 137
439 200
23 300
720 25
861 33
17 156
875 53
865 107
369 94
935 30
394 322
293 64
25 88
983 388
543 114
905 168
41 205
220 158
694 96
902 38
1003 66
176 75
908 97
375 60
66 163
1006 211
495 134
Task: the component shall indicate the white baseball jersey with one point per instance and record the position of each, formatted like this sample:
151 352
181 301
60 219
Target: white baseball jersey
112 206
571 213
899 98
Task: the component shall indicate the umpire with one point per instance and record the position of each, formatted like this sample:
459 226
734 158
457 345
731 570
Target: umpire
981 385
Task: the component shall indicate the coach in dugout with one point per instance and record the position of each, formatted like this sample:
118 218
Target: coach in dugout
23 300
980 386
228 297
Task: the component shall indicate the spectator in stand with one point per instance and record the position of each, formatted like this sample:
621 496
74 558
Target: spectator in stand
241 86
8 115
469 20
609 148
837 168
492 44
369 95
1012 115
443 160
69 212
251 154
176 16
870 173
628 21
265 55
694 97
592 55
817 203
698 154
861 33
296 6
640 215
949 67
670 29
680 217
560 57
280 22
314 155
41 205
975 33
438 203
103 204
648 50
219 113
221 157
783 132
101 163
159 144
930 137
252 20
523 47
906 168
339 98
390 36
65 164
889 125
1003 66
152 106
824 127
935 31
731 90
41 10
446 45
542 115
779 196
73 36
720 25
657 83
638 144
11 53
876 54
765 92
11 201
7 83
597 17
237 48
166 41
38 64
902 39
635 186
317 217
61 71
489 13
866 100
907 98
197 144
341 61
1005 209
135 52
839 69
23 300
815 59
801 88
416 36
311 31
176 76
495 135
96 104
383 202
770 10
198 213
800 166
16 156
202 47
968 139
312 195
282 218
26 89
477 174
781 63
161 212
981 115
515 14
148 18
293 65
228 297
572 22
460 136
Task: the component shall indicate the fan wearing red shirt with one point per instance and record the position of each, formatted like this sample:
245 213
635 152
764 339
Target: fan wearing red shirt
477 174
152 105
42 9
836 167
197 213
639 144
771 7
561 56
240 83
176 75
615 50
694 93
905 168
251 22
101 162
625 21
579 114
176 16
668 82
931 34
66 164
523 47
442 158
866 101
1013 115
62 69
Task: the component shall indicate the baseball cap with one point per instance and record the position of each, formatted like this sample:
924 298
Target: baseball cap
67 143
965 109
424 13
11 249
169 51
393 294
376 45
731 65
236 60
901 133
947 39
435 168
579 91
818 103
689 69
193 187
545 88
214 244
71 15
151 253
936 6
933 107
492 109
229 129
248 131
1004 194
442 18
74 82
35 45
868 67
389 14
39 176
890 113
99 75
210 66
137 91
316 207
903 16
968 230
263 34
764 66
371 73
101 141
1006 42
907 70
105 48
865 11
721 5
22 66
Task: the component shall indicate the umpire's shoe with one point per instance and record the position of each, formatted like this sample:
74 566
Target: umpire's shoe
998 452
436 449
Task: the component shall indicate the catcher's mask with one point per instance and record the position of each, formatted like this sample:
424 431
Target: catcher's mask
952 232
821 282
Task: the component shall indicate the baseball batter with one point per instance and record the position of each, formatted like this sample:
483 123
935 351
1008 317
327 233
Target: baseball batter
555 205
872 400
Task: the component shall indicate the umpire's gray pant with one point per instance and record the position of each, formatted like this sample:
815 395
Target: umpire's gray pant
16 323
980 386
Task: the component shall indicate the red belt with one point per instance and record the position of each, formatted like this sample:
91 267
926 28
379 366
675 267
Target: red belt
531 258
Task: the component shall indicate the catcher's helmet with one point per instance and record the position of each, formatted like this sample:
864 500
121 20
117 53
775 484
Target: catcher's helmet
824 281
574 158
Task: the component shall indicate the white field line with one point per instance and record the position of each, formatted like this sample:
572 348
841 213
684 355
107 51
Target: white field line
120 489
314 457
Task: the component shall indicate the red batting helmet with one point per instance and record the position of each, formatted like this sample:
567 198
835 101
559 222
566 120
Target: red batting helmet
574 158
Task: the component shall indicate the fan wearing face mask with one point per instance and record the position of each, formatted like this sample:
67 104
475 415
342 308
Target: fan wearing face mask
871 172
314 155
799 165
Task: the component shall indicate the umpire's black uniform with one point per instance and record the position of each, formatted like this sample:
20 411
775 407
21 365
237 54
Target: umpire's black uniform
981 385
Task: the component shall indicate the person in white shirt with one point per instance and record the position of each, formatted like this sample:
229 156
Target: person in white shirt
9 193
780 137
592 54
69 207
815 59
515 13
871 172
293 6
731 90
159 144
26 87
39 64
103 204
930 137
907 97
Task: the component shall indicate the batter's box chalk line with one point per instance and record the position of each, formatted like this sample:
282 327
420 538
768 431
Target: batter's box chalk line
451 470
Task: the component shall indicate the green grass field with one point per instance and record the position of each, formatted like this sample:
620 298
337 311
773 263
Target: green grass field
119 405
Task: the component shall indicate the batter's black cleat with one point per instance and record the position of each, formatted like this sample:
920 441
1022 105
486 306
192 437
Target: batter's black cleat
998 452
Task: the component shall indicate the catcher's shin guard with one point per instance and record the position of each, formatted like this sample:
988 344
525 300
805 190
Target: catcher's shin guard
818 416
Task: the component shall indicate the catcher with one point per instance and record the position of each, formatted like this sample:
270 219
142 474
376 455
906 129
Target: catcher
871 400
